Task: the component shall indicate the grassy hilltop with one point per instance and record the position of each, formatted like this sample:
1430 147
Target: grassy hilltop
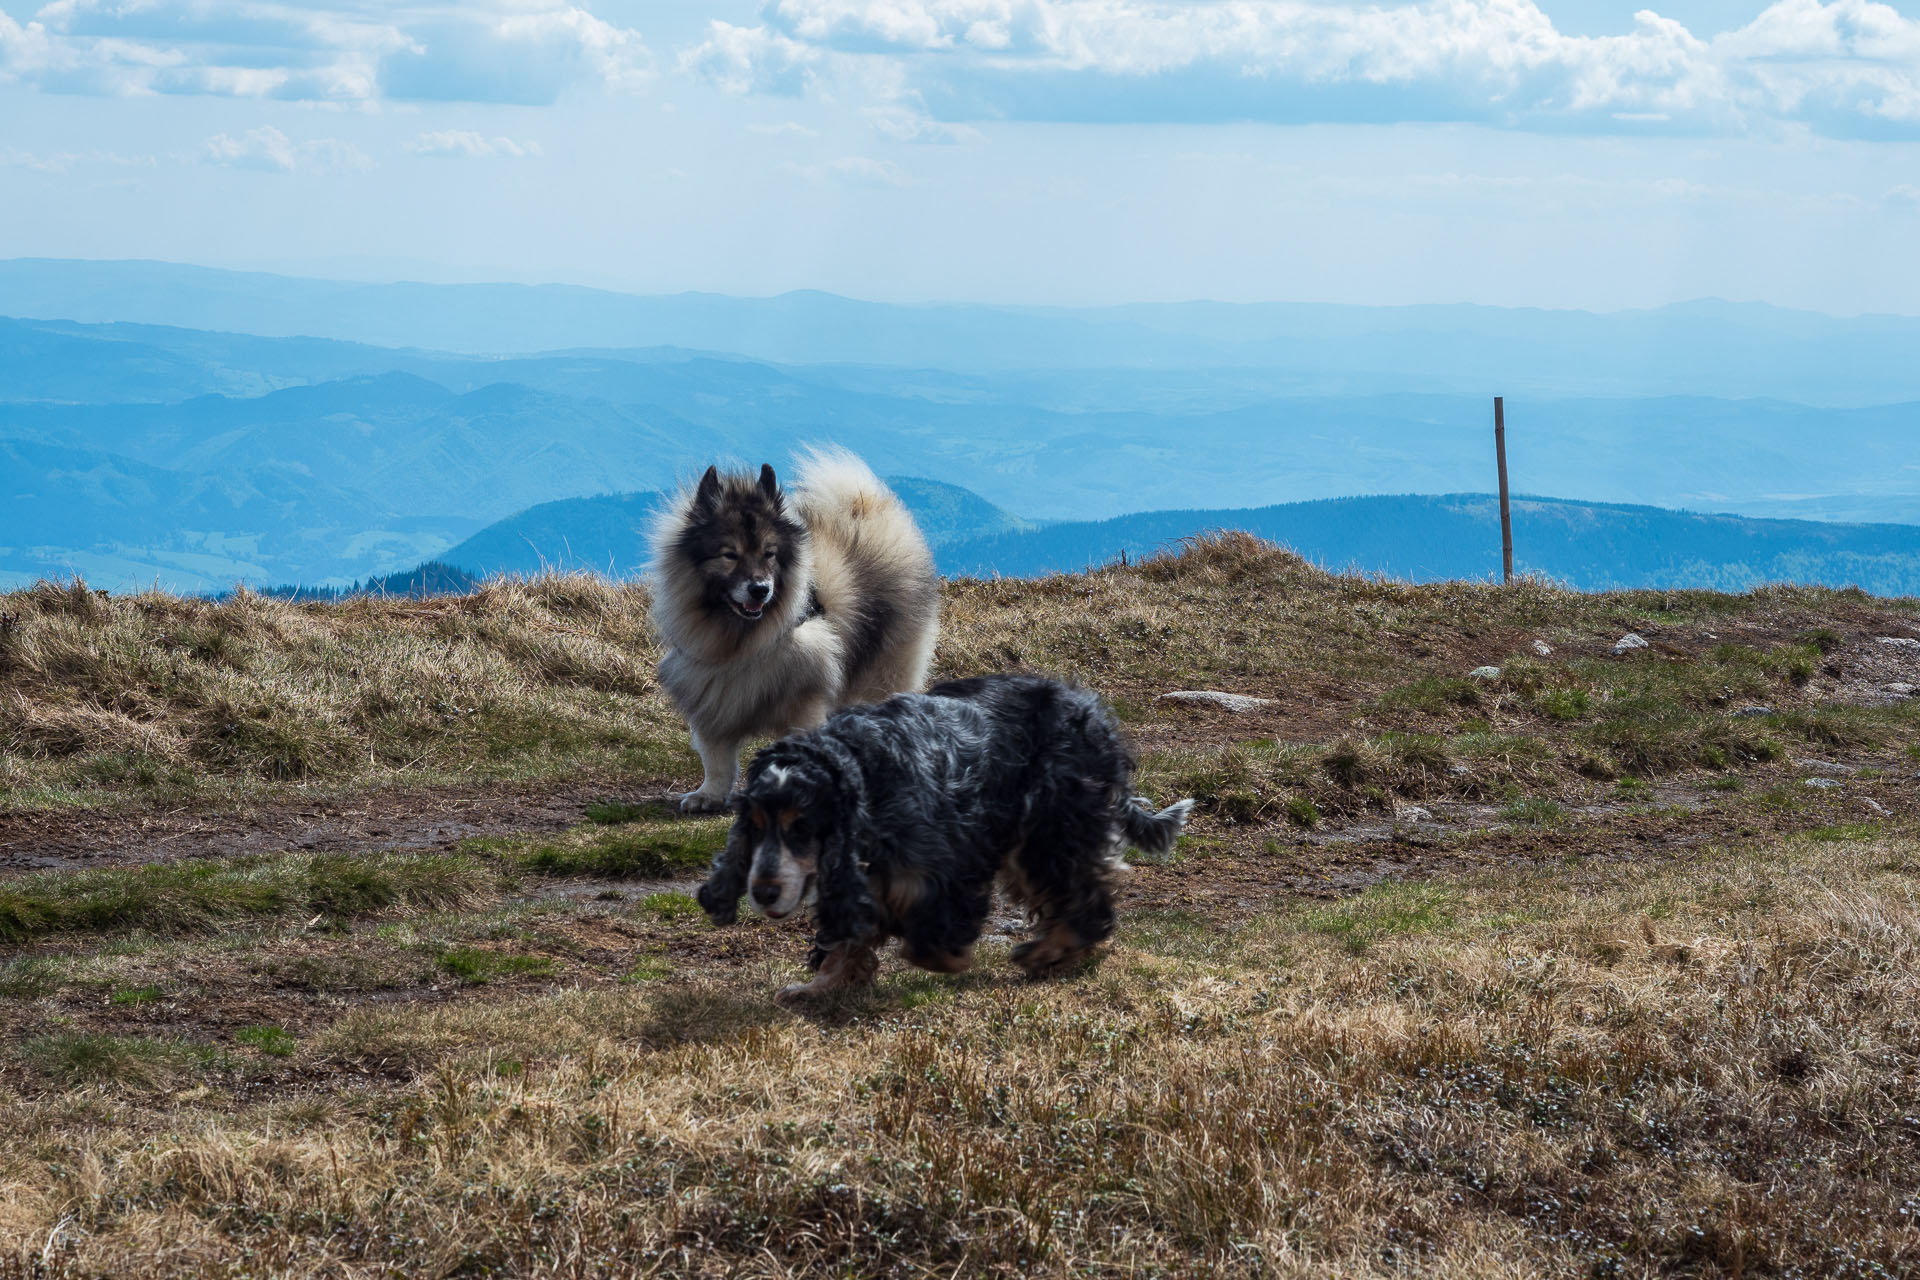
355 939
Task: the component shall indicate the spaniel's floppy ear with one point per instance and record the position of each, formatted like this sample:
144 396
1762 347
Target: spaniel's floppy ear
845 911
719 897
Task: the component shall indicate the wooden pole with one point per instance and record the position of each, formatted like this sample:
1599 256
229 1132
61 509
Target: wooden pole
1506 514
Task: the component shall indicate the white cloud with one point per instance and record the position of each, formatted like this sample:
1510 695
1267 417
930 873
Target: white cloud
1840 66
334 51
463 143
1906 196
751 60
271 151
786 128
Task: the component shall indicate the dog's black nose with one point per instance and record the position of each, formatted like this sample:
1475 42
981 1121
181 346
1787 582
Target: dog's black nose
759 591
766 892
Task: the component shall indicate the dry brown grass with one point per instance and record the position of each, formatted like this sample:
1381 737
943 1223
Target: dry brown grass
1707 1068
551 678
1701 1066
157 693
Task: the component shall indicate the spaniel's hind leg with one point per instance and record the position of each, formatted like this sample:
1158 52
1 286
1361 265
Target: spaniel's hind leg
841 968
1062 878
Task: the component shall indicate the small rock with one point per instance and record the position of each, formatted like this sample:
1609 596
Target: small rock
1876 806
1902 642
1629 642
1901 689
1235 702
1414 813
1825 766
1753 712
1485 673
1542 648
1824 784
1458 770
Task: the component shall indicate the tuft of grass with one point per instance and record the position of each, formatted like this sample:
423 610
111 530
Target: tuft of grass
79 1058
1564 704
1633 789
1823 640
275 1042
648 969
1433 695
642 848
1536 811
671 906
478 965
30 977
135 995
1302 812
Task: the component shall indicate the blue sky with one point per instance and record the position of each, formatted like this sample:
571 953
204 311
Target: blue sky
1574 154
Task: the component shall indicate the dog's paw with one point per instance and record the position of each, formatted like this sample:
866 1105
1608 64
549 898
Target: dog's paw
795 993
702 802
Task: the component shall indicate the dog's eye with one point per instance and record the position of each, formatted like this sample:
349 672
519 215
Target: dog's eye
730 556
770 552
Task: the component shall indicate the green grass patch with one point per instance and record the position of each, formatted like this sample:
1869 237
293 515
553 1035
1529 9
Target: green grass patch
648 969
1534 811
135 995
1633 789
1433 695
202 894
671 906
30 977
657 848
1302 812
477 965
275 1042
1382 912
140 1062
1564 704
1782 800
612 813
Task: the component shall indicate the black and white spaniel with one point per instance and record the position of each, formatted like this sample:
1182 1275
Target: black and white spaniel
897 818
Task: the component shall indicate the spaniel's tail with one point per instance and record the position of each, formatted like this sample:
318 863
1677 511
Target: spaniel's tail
1153 833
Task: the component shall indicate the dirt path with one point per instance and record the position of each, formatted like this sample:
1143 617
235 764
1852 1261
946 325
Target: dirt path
417 819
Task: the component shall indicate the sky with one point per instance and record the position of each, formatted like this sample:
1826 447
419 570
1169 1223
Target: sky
1570 153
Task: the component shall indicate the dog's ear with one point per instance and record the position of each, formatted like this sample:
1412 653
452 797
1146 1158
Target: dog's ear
845 911
719 897
769 485
708 494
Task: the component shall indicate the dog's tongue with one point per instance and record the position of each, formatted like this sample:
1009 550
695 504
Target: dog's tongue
752 610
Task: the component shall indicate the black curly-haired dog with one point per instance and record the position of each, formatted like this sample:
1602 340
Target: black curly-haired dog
899 817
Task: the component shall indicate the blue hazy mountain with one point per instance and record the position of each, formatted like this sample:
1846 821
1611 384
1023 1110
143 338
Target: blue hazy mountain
1591 546
608 533
1704 348
138 452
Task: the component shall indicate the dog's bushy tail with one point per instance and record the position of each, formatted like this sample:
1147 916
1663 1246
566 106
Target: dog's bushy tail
1153 833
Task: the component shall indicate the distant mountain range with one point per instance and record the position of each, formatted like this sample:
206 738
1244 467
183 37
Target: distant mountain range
1706 348
1419 538
136 452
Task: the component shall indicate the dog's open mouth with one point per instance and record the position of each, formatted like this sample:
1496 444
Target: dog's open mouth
751 612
